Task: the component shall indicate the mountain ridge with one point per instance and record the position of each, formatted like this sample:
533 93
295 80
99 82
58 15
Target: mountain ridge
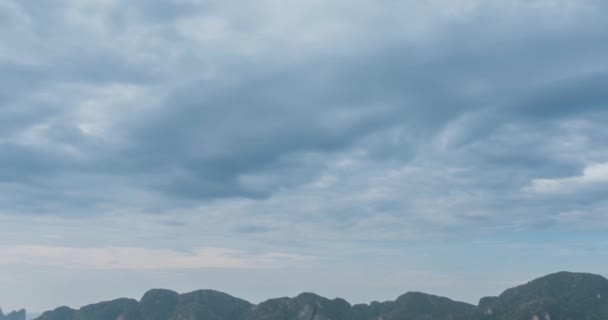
13 315
557 296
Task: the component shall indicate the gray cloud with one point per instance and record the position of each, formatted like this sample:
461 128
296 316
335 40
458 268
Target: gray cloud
137 97
367 135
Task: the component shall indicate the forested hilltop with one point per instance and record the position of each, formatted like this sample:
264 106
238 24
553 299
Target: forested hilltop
559 296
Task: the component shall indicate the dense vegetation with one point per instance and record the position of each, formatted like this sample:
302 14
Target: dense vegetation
559 296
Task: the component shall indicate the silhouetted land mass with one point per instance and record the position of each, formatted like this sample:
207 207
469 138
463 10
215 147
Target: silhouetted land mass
559 296
15 315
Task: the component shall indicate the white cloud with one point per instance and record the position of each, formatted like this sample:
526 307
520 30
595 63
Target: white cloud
592 175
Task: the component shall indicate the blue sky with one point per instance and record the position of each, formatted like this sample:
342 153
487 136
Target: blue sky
359 149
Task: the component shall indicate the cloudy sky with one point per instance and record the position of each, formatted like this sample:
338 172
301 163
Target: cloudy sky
359 149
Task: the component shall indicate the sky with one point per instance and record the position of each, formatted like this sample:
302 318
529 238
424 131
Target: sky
357 149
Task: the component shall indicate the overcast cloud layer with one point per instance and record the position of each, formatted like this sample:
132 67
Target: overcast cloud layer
354 148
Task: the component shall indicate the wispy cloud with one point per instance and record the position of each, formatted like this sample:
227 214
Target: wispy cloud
593 175
130 258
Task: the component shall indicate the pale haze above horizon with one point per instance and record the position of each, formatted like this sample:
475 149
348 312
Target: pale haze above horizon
356 149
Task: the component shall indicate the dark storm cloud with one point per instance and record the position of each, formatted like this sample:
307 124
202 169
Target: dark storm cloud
217 134
406 134
577 95
490 89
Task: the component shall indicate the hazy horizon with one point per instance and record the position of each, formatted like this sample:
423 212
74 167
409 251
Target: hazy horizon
356 149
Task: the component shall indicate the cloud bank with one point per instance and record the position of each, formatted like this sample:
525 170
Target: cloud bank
343 131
